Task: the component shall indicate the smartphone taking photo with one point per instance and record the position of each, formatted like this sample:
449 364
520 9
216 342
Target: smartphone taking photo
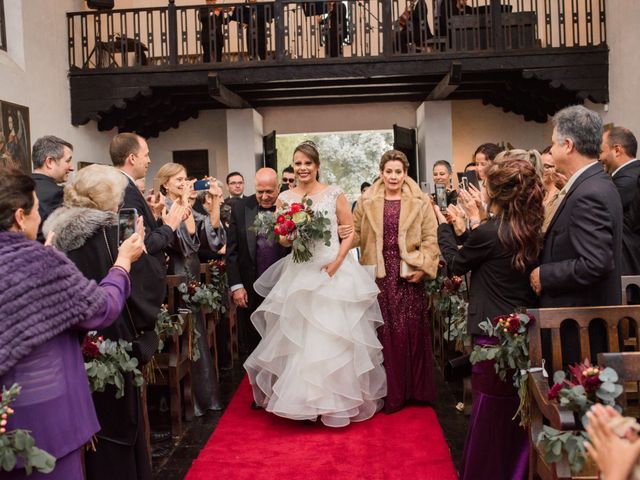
127 221
441 197
201 185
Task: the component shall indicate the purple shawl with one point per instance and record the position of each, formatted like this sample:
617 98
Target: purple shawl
41 295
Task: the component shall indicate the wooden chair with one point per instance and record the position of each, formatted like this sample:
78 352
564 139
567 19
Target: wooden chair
549 412
629 335
626 282
627 365
174 365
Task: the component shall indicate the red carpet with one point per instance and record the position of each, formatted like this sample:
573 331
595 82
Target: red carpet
253 444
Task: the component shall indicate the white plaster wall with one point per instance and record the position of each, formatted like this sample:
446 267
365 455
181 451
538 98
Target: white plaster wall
207 132
33 73
623 17
339 118
435 141
474 123
244 144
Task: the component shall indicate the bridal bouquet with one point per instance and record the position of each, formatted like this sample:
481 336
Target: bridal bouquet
105 361
19 442
299 224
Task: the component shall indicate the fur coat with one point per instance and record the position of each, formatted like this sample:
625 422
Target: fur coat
89 237
417 237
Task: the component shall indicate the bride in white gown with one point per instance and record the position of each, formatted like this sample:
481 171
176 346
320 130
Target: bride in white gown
319 355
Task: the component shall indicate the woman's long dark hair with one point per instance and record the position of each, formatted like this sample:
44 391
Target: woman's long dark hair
514 186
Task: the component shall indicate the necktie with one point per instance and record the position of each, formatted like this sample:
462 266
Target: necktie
551 207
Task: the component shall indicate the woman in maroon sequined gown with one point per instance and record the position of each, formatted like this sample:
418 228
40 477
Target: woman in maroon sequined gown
394 222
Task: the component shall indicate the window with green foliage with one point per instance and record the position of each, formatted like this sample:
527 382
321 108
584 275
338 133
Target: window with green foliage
3 30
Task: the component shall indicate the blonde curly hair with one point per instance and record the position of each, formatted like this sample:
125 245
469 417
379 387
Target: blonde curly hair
97 186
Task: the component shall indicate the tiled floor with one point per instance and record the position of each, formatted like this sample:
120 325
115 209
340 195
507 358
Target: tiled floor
176 465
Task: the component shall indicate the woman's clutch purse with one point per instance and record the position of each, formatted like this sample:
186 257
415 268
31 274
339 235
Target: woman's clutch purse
406 269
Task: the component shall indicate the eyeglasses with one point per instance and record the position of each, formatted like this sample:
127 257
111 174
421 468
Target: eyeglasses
236 183
288 180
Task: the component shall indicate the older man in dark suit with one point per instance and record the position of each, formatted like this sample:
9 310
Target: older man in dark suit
581 259
249 255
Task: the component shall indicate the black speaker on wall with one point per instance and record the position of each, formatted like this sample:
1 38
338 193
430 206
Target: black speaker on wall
100 4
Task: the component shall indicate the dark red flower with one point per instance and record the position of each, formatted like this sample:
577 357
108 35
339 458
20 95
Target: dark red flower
456 281
513 324
554 393
592 384
280 219
191 287
447 284
441 264
296 207
290 225
89 348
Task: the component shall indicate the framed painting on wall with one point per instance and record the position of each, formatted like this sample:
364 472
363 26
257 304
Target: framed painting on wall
15 136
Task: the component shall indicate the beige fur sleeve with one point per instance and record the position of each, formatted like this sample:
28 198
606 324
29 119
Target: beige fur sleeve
429 245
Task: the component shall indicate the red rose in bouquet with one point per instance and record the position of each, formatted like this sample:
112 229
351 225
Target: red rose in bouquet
90 348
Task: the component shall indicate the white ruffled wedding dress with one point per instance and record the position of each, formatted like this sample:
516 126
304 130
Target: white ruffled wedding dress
319 355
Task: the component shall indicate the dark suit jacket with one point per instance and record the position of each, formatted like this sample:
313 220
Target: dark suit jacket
157 236
496 287
631 235
626 181
50 195
581 259
241 245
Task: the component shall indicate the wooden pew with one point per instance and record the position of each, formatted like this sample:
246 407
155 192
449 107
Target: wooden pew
549 412
174 365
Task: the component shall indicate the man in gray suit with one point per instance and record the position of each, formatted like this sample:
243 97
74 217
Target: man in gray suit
581 258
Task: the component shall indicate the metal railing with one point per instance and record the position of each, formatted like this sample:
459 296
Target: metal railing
302 30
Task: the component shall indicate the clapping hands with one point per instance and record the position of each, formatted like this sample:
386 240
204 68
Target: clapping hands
615 452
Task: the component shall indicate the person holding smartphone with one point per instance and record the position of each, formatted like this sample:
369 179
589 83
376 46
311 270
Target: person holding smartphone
183 260
442 173
51 295
500 252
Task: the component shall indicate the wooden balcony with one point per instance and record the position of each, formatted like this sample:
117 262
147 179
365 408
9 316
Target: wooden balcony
147 69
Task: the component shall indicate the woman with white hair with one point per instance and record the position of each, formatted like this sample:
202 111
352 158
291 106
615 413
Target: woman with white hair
86 230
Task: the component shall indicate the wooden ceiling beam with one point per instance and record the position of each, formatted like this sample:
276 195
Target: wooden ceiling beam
448 84
218 91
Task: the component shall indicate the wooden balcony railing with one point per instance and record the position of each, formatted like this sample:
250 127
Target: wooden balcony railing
311 31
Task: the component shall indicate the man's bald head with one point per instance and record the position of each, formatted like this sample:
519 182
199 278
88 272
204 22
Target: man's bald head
266 187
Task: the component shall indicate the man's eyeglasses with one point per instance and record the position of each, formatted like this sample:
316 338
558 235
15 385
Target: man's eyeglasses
288 180
236 183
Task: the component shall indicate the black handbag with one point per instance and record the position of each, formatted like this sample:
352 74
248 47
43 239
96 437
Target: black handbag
457 368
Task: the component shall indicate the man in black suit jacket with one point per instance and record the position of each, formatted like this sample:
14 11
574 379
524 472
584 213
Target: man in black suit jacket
618 155
247 257
130 154
631 237
51 157
580 261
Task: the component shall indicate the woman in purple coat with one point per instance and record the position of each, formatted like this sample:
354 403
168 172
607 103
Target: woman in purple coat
44 303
